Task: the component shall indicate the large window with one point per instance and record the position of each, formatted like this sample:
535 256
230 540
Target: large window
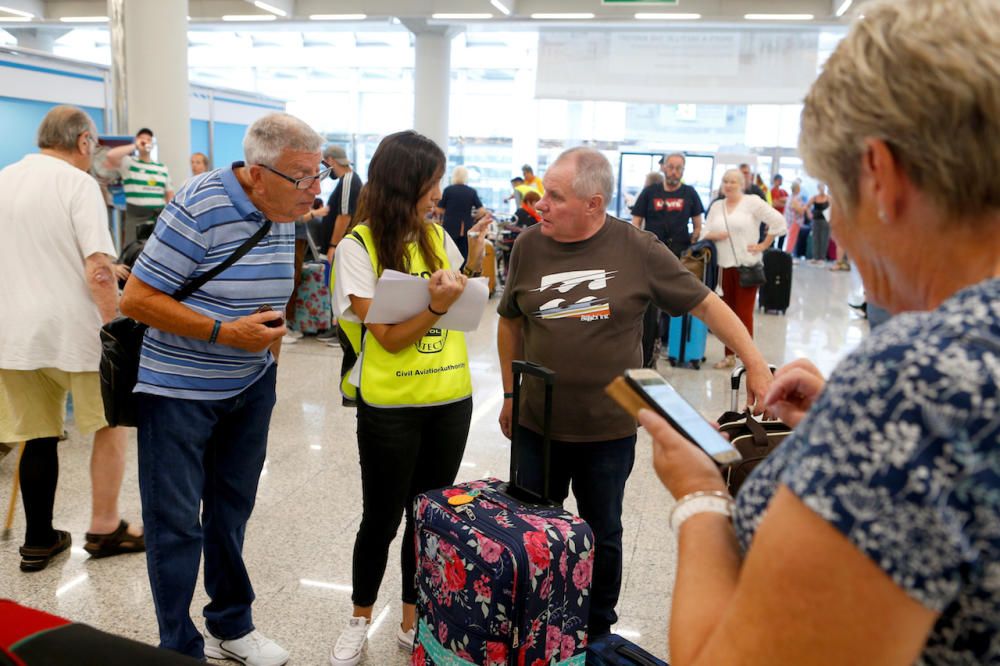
357 87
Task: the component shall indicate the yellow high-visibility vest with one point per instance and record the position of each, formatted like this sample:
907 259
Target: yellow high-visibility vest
434 370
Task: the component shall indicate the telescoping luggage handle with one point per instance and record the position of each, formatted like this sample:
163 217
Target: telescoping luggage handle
548 377
735 381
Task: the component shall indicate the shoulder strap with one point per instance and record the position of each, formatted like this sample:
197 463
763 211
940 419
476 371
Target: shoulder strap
196 284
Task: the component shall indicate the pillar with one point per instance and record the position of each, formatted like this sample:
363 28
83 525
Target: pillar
432 80
149 69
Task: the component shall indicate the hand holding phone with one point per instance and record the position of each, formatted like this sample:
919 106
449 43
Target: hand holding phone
270 323
645 388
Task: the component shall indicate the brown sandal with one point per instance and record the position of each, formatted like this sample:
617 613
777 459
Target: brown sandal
115 543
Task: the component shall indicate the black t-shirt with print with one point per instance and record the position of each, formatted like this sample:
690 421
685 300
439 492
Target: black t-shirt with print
667 213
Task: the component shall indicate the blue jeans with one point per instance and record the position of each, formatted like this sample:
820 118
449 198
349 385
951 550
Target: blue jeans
207 455
598 472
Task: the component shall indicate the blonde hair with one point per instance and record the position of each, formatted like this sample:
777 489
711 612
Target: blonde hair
460 175
735 173
922 76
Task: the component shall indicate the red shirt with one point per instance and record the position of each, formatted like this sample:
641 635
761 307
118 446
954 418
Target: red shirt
778 193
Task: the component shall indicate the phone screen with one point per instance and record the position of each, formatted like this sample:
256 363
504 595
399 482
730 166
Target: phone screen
683 416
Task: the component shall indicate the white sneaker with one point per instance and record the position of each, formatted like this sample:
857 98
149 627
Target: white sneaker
406 638
298 335
350 643
254 649
289 339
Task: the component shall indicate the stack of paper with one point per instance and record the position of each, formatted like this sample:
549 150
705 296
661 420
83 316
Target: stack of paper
399 297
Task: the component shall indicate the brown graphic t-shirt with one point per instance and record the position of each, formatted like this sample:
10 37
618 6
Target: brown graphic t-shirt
583 305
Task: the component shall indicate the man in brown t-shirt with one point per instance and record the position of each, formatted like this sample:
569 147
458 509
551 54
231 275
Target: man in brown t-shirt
578 286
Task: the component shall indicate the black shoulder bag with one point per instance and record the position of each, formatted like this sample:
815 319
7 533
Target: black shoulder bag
121 343
752 275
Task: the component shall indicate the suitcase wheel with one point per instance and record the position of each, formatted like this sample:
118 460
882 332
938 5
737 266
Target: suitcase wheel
696 365
673 362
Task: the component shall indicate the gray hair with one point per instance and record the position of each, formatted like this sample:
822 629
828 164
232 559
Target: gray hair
593 173
680 155
269 136
922 76
460 176
62 126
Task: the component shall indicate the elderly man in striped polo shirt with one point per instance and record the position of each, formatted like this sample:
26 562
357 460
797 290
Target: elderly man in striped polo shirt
207 379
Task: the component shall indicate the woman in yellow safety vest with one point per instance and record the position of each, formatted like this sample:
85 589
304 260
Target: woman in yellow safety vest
414 385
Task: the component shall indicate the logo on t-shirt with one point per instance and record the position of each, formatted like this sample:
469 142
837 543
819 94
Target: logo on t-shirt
674 204
586 307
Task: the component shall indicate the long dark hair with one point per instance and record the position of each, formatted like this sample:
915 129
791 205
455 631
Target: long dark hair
405 165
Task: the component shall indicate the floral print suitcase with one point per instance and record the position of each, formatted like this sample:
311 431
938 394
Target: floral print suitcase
503 576
501 582
312 300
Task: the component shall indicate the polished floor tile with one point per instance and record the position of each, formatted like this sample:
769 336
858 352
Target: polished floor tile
299 541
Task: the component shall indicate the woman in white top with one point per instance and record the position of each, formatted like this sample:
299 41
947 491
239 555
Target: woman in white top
734 225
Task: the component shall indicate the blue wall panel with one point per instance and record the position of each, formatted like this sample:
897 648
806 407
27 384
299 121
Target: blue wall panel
199 136
228 144
21 118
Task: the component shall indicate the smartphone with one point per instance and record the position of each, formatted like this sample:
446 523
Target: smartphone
668 403
271 323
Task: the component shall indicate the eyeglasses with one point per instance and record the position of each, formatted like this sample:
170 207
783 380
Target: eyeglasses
301 183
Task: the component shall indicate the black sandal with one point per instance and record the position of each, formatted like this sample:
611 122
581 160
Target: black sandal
115 543
36 559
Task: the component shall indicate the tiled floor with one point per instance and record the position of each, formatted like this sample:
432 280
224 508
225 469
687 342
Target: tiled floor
299 541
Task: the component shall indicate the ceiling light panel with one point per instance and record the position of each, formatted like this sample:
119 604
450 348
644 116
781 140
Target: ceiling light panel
16 12
662 16
567 16
337 17
449 16
778 17
277 11
248 17
501 7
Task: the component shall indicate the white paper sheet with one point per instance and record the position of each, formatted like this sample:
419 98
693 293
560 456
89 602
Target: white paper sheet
399 296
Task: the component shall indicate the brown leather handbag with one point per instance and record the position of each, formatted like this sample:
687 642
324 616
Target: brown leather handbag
753 438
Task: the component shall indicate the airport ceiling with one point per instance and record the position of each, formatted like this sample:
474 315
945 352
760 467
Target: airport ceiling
472 15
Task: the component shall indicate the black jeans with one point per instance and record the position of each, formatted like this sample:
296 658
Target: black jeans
404 452
598 472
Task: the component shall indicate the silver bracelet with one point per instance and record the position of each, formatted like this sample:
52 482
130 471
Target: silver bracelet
713 501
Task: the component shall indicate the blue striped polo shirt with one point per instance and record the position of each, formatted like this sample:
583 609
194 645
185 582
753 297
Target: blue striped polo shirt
205 223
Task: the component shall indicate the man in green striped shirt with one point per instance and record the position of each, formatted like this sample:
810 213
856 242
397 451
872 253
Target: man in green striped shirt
147 183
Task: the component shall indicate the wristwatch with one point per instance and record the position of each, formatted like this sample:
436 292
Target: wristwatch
700 502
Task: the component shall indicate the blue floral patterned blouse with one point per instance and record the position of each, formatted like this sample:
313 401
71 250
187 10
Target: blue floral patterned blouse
901 453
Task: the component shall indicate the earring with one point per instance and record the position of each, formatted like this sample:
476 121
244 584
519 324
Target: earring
882 216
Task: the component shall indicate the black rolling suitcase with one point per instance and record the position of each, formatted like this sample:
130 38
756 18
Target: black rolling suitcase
776 294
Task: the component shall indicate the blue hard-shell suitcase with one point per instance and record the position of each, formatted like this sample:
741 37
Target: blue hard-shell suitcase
686 342
503 575
613 650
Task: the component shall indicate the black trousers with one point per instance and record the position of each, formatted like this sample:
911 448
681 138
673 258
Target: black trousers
404 452
597 472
